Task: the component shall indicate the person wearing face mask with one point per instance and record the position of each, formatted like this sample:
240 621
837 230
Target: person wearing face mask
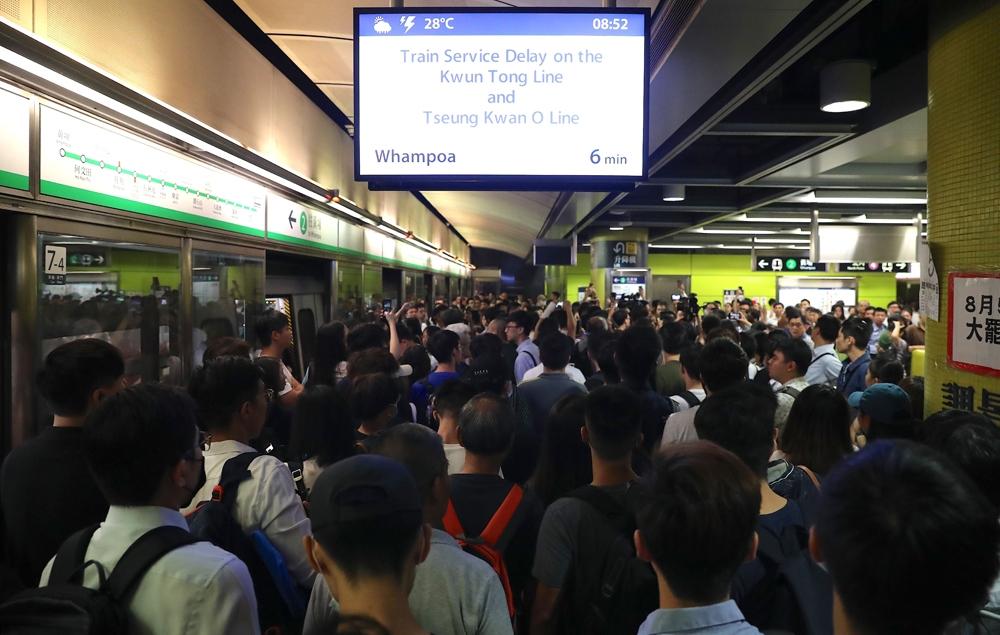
232 405
46 491
145 451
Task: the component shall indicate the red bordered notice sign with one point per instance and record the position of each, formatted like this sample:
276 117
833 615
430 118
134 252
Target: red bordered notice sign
974 322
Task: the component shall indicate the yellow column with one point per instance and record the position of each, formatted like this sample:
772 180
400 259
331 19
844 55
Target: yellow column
963 174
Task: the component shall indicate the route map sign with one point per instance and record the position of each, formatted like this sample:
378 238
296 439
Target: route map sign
86 161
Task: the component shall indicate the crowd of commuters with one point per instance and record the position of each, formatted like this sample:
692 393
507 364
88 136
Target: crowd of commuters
496 465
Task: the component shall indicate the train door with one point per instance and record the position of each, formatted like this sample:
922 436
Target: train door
78 280
227 293
392 287
299 287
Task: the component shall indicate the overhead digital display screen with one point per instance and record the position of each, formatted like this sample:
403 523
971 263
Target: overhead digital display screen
500 95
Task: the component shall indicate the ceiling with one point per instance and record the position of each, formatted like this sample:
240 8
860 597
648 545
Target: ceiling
744 133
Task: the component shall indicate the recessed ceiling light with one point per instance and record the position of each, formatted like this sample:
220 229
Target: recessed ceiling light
845 86
673 193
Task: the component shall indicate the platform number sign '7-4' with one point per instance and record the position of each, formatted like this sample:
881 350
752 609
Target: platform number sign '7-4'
974 322
55 264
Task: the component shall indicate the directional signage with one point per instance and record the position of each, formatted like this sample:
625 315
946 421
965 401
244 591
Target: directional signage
608 254
786 263
87 161
14 140
875 267
88 258
293 223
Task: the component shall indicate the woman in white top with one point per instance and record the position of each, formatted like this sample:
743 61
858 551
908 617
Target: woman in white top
329 365
322 431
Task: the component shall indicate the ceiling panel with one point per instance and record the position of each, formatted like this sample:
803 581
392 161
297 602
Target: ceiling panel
342 96
507 221
323 60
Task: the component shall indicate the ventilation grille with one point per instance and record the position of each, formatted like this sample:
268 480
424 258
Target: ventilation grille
669 24
13 10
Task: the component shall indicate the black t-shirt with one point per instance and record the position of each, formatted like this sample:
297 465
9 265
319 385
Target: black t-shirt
46 494
477 497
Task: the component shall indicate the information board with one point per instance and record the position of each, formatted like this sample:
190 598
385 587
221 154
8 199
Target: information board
485 93
14 139
90 162
974 322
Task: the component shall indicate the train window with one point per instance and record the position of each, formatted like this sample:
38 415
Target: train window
349 301
123 292
372 286
228 295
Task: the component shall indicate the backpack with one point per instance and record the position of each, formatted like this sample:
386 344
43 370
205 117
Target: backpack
791 392
491 543
66 606
688 396
792 593
612 590
281 603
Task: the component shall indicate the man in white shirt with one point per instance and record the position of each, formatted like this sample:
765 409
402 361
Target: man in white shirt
825 366
232 403
787 365
275 336
144 450
722 364
693 393
446 405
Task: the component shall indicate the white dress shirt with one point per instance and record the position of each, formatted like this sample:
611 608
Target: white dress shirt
196 589
825 366
266 501
574 373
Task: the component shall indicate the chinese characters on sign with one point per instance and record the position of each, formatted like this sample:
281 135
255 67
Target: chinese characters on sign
974 322
956 397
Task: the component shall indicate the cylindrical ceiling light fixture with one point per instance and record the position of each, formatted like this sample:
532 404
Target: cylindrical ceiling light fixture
845 85
673 193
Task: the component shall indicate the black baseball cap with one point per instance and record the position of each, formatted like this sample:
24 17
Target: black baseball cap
362 489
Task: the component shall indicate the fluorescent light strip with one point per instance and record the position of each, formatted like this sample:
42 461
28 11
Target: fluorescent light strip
812 197
780 240
703 230
677 246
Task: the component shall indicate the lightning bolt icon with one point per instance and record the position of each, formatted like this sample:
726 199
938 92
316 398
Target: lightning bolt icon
407 21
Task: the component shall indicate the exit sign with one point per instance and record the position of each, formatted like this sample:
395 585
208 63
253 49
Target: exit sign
786 263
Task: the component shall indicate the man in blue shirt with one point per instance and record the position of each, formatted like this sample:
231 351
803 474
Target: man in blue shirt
445 346
694 556
852 340
519 325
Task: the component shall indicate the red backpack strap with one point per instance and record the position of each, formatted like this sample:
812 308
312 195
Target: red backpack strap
498 524
451 523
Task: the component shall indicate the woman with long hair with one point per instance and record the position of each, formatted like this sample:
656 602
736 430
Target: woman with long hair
322 431
329 364
817 433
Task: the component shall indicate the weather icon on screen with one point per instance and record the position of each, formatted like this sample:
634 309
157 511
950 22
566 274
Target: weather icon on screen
381 26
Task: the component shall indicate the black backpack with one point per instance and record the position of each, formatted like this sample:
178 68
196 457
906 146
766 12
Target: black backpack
66 606
691 398
280 604
789 591
612 591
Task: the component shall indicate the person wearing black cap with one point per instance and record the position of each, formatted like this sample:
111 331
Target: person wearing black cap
368 537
